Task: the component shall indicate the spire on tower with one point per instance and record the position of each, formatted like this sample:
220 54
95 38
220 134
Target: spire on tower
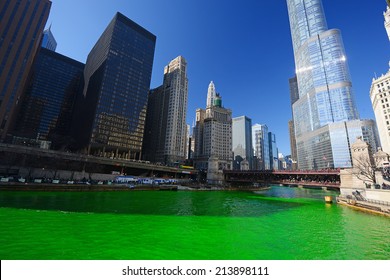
211 94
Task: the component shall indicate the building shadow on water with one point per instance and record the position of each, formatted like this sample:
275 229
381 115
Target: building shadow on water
208 203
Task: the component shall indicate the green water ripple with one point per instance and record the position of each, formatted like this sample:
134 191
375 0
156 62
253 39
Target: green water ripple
282 224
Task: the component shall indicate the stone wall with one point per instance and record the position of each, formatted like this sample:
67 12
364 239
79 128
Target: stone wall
63 174
350 183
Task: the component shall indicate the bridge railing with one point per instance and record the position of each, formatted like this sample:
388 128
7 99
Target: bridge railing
379 202
308 182
292 172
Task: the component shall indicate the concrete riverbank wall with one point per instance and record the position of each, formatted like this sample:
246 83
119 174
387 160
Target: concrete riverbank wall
63 174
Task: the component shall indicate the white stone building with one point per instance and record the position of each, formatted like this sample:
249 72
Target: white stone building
213 137
380 99
366 181
176 86
387 21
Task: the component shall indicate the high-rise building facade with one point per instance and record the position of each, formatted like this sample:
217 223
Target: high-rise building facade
213 133
294 91
166 131
273 151
117 80
211 95
294 96
48 40
386 15
188 143
380 99
293 145
21 26
242 141
325 90
155 126
47 107
261 146
176 88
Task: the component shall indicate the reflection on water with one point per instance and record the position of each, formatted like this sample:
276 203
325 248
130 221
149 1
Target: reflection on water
280 223
238 204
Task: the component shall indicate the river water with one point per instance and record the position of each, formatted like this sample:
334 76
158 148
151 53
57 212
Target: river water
277 224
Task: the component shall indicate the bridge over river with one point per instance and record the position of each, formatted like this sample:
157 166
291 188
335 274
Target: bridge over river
329 178
13 157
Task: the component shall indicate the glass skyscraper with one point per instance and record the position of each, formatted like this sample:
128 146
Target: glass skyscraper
326 99
117 80
47 107
261 146
273 152
48 40
21 26
242 141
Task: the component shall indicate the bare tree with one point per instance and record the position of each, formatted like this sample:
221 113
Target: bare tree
364 169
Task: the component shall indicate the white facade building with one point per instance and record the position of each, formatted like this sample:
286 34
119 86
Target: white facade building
213 134
211 95
176 86
380 99
387 21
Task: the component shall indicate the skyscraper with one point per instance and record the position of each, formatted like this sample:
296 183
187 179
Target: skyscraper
211 95
48 103
273 152
153 145
242 141
261 146
294 91
293 145
21 26
48 40
165 138
386 15
117 80
380 99
176 89
213 136
326 102
294 96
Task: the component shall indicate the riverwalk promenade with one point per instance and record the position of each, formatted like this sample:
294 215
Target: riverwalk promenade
368 205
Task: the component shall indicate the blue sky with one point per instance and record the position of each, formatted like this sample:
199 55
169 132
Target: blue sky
243 46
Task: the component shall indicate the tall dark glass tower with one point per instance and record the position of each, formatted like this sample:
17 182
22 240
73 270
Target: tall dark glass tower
326 120
117 80
47 107
48 40
21 26
155 125
242 141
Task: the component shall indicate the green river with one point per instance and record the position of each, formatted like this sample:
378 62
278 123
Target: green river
277 224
